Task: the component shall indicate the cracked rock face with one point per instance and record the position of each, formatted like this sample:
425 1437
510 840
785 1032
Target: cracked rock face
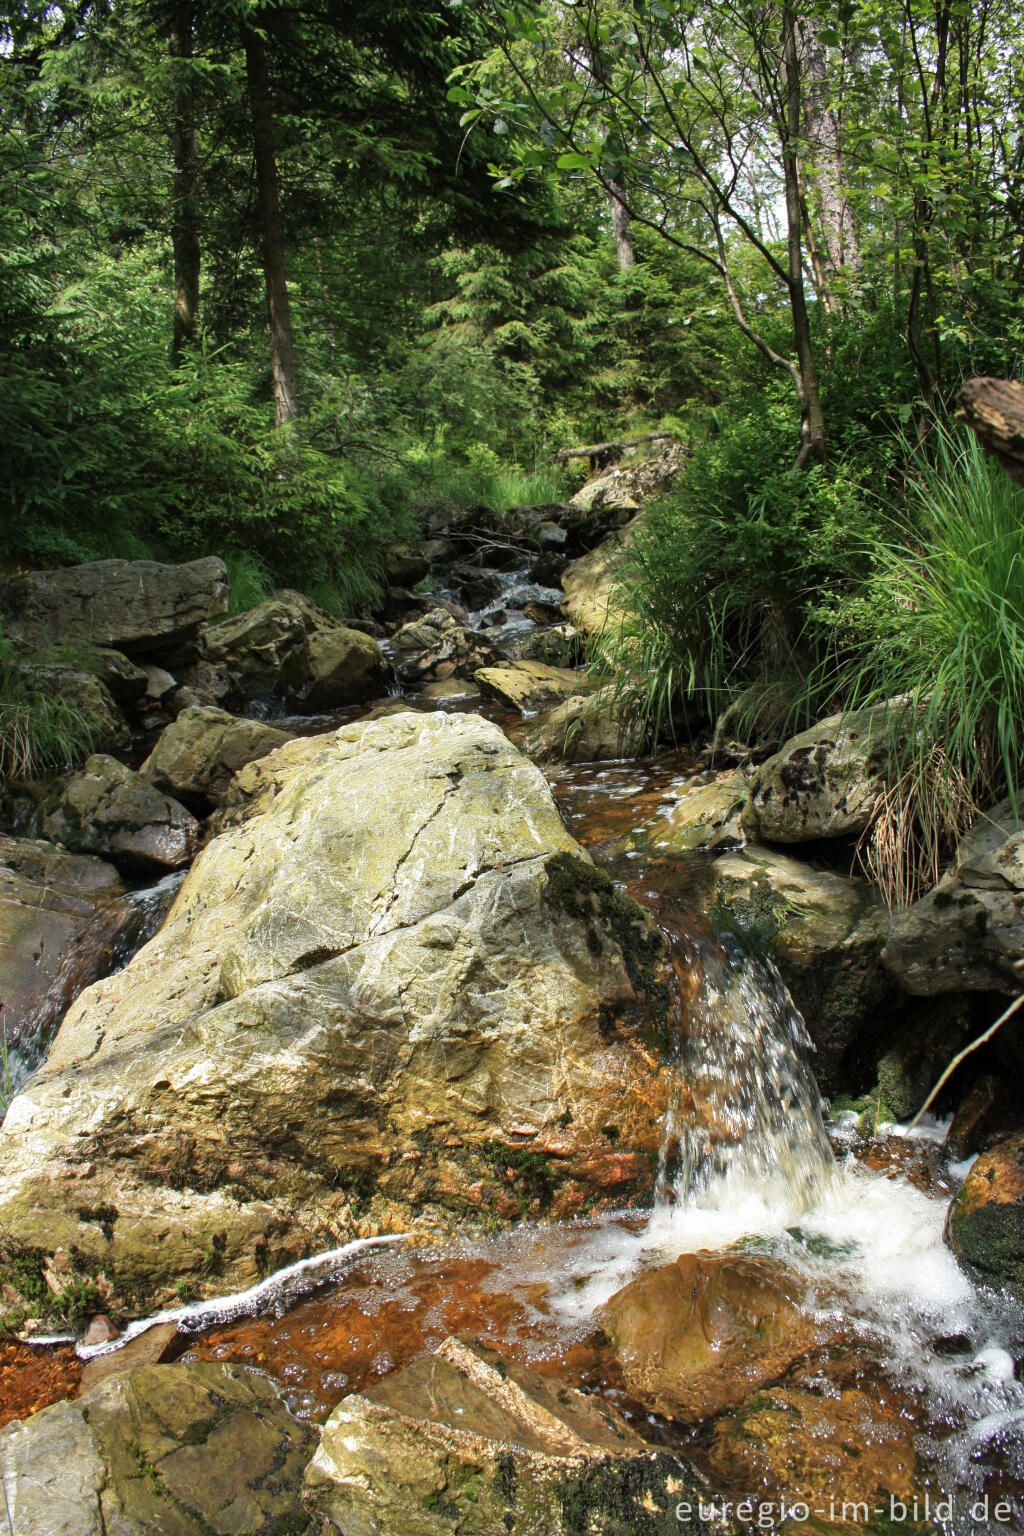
174 1450
397 985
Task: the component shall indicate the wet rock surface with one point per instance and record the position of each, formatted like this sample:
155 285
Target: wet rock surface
402 1004
698 1336
985 1226
138 606
583 729
706 815
166 1451
108 809
471 1442
826 933
435 646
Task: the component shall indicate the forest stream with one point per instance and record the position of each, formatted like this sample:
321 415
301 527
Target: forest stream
893 1397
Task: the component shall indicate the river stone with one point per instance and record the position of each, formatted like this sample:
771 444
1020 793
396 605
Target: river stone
56 925
826 934
434 647
584 729
528 686
985 1225
706 815
826 782
589 583
968 933
137 606
842 1445
126 682
202 1450
255 645
106 808
466 1441
396 975
199 752
698 1336
333 667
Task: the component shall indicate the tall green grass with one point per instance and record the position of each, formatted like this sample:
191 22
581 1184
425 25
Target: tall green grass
946 639
39 733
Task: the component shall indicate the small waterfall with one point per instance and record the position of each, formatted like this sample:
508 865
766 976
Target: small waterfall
745 1117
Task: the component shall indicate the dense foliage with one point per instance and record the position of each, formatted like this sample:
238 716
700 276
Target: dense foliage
276 274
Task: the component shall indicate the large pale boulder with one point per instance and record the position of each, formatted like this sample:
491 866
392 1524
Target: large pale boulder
967 935
203 1450
400 971
199 753
333 667
825 933
138 606
57 921
464 1441
698 1336
529 686
108 809
985 1225
826 782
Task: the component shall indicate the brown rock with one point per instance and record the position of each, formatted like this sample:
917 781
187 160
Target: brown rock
152 1347
698 1336
985 1225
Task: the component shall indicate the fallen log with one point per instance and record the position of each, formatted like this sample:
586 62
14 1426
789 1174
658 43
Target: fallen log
994 409
593 450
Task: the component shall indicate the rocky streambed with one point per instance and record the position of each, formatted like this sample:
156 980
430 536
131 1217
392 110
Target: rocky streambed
454 1141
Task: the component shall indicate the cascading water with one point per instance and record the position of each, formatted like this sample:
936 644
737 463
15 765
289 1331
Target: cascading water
745 1113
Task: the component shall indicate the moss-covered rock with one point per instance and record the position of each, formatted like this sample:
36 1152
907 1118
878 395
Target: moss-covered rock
197 755
985 1225
465 1441
204 1450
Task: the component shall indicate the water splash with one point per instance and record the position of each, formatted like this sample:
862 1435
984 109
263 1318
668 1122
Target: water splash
746 1113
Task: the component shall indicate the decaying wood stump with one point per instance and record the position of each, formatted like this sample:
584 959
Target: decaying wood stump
994 409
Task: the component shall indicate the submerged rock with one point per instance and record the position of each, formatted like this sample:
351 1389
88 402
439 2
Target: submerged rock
698 1336
967 935
705 815
106 808
138 606
204 1450
826 782
393 976
985 1225
528 686
826 934
199 753
466 1441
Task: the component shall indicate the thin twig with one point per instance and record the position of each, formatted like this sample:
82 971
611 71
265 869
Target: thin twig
944 1079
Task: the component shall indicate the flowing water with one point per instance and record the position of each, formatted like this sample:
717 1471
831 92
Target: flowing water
747 1165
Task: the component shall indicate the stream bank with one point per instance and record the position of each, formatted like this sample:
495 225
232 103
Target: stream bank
892 1376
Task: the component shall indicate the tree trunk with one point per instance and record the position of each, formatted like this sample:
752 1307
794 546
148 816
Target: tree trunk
282 357
622 224
825 139
184 191
814 417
